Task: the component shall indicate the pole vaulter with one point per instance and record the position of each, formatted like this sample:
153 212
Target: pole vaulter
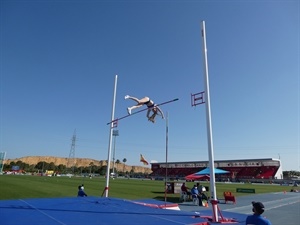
123 117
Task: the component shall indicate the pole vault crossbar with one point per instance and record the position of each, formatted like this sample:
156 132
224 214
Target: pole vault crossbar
115 122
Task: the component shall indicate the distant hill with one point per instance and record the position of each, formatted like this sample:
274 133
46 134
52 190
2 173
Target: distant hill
85 162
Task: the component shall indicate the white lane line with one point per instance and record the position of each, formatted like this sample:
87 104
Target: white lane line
273 204
42 212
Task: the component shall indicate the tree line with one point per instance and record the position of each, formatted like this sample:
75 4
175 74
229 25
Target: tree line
42 167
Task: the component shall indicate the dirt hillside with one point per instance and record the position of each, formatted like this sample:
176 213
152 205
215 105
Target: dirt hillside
78 162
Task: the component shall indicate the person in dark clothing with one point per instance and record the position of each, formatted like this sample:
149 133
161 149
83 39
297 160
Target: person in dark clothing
185 189
195 194
81 192
257 219
202 190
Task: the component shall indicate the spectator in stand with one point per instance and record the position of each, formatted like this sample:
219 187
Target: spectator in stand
185 189
257 219
81 192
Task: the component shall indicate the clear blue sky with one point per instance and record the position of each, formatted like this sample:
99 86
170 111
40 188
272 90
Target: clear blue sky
59 60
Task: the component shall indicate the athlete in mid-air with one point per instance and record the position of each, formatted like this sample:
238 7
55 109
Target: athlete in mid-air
149 103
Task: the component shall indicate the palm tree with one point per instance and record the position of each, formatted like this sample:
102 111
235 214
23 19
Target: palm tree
124 161
91 166
117 162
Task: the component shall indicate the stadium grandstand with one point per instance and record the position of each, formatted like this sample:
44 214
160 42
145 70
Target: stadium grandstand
239 170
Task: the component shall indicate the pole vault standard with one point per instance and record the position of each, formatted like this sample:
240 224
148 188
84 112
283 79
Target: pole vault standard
167 141
209 129
114 122
110 140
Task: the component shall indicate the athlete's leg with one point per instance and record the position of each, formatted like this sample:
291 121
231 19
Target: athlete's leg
139 101
132 98
135 106
143 100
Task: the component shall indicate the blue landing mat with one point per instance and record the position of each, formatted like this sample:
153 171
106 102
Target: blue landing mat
92 211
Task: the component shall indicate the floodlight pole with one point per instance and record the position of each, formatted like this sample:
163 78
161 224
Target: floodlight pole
115 134
212 189
110 138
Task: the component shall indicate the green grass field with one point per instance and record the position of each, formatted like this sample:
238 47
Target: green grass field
23 186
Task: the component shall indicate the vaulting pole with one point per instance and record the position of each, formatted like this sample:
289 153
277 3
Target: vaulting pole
110 138
212 189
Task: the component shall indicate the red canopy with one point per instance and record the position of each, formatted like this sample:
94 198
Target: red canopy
197 177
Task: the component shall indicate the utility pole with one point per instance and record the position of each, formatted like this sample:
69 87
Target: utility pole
71 160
